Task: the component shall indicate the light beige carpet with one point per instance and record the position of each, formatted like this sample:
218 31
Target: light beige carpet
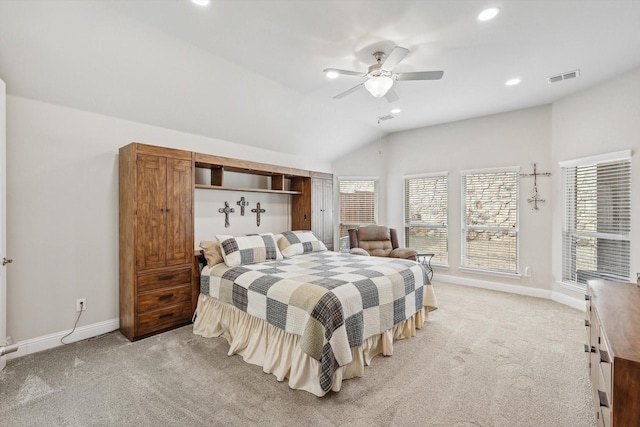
483 359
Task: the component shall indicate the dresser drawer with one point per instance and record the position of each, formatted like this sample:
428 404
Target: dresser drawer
164 279
163 298
603 395
156 320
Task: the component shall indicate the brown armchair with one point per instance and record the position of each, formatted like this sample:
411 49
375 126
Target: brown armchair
378 240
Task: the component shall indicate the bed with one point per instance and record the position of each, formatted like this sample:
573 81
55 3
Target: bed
305 314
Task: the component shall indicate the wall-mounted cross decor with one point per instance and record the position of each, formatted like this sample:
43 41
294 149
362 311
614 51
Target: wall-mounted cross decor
535 198
242 203
226 211
258 211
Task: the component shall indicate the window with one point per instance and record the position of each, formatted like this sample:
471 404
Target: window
358 204
425 215
597 224
490 220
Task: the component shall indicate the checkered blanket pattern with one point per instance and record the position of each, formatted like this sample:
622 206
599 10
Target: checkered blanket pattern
333 301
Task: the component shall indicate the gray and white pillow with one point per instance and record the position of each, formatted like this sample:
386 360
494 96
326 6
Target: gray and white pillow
248 249
294 243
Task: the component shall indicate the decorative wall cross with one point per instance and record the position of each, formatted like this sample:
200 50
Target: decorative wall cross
226 211
258 211
242 203
535 198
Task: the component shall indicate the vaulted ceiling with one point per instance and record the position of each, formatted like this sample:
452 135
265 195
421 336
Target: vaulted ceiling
250 71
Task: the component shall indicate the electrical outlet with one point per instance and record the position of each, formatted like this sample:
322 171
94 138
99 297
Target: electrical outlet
81 304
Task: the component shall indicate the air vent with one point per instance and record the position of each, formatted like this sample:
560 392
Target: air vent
564 76
387 117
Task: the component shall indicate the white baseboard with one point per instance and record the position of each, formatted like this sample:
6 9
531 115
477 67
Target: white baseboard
576 303
46 342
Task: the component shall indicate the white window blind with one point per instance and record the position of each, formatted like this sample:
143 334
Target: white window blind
597 226
490 220
358 204
425 210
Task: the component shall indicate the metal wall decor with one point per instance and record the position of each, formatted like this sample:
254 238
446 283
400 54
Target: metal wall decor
535 196
242 203
258 211
226 211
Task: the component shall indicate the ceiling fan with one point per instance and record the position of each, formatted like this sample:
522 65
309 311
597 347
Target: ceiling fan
380 76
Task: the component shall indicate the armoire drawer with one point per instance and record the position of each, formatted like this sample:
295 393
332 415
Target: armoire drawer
163 298
163 279
156 320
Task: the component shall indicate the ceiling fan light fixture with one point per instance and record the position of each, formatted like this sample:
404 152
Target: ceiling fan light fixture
378 86
488 14
331 74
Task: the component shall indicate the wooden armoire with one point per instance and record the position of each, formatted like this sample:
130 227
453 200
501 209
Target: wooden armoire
156 239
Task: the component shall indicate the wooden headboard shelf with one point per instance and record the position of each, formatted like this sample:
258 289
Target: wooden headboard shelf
219 165
253 190
209 161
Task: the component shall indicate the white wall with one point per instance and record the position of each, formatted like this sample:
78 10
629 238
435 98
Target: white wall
517 138
62 209
603 119
209 222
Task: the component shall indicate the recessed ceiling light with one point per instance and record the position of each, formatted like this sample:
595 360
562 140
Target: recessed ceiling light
396 111
201 2
513 82
331 74
488 14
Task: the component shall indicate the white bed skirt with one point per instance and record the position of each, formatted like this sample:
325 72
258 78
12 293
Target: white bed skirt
278 352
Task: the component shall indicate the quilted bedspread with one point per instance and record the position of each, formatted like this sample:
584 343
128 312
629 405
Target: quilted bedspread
333 301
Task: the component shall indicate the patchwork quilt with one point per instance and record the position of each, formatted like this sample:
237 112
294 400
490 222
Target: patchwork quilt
333 301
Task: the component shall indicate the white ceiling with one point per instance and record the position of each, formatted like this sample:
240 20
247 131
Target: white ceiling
250 71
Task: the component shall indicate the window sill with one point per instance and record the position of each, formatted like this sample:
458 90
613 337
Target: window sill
490 273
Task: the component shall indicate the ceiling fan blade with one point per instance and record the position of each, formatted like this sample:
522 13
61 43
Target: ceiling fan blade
347 92
397 54
420 75
391 96
346 72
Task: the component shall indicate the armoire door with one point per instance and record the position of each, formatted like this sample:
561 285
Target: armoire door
151 224
179 212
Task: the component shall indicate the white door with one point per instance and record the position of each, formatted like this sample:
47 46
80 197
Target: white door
327 206
3 222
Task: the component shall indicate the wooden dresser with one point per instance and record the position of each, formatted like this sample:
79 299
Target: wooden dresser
613 348
156 239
